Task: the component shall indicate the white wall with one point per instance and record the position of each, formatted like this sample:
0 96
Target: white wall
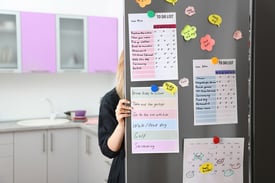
20 94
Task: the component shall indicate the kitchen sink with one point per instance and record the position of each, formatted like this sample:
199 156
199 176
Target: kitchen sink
42 122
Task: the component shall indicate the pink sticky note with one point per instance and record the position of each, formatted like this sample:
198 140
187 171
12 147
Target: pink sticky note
207 43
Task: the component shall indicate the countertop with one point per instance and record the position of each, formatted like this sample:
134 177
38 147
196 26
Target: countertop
12 126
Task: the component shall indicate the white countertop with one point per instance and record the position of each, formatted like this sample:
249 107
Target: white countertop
12 126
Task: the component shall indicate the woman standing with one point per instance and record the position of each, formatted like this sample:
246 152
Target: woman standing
114 108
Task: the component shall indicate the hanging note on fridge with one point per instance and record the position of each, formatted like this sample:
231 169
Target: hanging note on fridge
215 91
153 46
154 121
208 162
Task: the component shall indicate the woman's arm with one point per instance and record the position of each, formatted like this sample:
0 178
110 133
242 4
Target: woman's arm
123 110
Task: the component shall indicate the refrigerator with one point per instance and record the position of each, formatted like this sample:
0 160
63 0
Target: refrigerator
187 70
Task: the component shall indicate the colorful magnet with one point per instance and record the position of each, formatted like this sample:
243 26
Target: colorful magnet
170 87
216 140
184 82
237 35
150 13
215 19
190 11
214 60
143 3
189 32
206 168
207 43
154 88
173 2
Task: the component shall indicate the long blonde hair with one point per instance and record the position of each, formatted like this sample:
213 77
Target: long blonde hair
120 76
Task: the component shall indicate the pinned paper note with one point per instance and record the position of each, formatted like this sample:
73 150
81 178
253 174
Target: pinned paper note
215 19
143 3
154 121
190 11
205 161
170 87
173 2
207 43
189 32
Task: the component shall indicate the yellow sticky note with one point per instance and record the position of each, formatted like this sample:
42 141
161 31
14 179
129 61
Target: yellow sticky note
173 2
215 19
206 168
170 87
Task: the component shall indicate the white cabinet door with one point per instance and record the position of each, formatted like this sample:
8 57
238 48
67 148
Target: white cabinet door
30 157
63 156
6 157
93 166
48 156
86 167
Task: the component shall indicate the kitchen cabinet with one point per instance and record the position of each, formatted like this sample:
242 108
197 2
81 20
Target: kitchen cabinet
93 166
71 43
10 36
102 44
46 156
6 157
38 42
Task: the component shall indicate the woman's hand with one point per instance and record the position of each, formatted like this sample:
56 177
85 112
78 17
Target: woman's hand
123 110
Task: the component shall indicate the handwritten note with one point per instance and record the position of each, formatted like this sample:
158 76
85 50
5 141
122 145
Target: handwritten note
154 121
215 95
205 161
153 46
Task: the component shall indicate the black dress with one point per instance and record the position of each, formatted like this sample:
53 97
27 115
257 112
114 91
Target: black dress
106 124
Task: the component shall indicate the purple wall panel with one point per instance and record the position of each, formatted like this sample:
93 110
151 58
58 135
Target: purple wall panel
102 44
38 32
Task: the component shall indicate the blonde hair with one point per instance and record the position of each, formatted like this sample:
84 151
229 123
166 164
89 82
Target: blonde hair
120 76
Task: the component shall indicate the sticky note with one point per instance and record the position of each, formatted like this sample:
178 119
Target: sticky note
143 3
173 2
207 43
206 167
215 19
170 87
189 32
190 11
183 82
237 35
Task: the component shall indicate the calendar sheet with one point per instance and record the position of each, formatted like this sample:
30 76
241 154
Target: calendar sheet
215 93
153 47
207 162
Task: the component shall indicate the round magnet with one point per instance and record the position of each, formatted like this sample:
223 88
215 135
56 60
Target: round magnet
216 139
154 88
150 13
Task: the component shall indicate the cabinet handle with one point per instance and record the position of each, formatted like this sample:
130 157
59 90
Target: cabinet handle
51 142
88 141
44 142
